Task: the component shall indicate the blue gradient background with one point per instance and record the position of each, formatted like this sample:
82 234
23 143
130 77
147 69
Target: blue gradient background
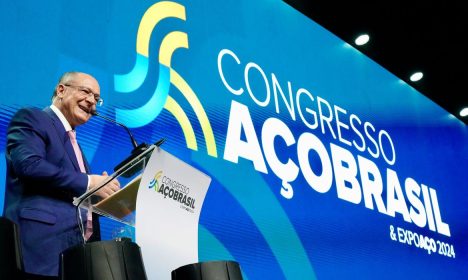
244 217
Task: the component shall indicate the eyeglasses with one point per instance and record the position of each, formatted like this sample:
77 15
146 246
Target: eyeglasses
88 92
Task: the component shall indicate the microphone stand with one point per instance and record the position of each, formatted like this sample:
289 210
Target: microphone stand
137 149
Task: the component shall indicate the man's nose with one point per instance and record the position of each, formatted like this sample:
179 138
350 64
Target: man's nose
90 99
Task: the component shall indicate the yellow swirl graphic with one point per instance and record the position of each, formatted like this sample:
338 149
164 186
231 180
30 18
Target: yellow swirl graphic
175 109
169 44
130 82
185 89
151 18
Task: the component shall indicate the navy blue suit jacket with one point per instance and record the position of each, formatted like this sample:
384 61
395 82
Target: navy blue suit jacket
42 178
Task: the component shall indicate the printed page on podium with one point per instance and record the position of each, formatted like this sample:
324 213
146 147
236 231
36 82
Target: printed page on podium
121 205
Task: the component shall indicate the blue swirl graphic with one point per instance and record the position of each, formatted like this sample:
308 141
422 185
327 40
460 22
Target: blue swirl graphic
145 114
134 79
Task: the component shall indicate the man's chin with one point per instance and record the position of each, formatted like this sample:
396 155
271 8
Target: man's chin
84 118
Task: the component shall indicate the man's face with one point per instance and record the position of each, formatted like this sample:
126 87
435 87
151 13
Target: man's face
76 98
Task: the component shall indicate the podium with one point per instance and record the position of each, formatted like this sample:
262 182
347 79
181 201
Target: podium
167 195
113 259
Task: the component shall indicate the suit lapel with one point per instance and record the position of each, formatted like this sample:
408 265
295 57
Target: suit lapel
63 136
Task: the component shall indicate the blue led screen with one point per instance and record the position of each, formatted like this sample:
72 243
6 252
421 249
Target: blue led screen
324 165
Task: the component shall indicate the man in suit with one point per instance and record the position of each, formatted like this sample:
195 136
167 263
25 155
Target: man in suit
46 170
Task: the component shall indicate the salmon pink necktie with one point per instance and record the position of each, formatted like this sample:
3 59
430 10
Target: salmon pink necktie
79 157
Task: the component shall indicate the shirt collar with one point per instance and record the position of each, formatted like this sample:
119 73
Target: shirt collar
62 118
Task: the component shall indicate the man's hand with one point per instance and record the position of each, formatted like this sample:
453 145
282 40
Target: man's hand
106 191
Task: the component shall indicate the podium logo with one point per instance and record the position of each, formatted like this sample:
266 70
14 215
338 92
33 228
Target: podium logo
155 182
172 189
130 83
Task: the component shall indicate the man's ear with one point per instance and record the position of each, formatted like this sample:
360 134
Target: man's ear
60 90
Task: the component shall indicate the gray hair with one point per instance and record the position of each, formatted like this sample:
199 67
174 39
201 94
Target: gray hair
64 79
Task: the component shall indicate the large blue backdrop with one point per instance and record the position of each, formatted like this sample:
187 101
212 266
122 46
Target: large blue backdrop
324 164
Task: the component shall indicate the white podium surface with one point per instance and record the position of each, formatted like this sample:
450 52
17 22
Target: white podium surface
169 202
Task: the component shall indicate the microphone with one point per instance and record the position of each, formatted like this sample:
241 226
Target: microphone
137 149
134 142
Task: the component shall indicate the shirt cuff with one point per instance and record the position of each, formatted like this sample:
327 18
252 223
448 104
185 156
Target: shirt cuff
89 181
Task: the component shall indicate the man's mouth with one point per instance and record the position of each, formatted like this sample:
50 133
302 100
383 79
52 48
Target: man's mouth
86 110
